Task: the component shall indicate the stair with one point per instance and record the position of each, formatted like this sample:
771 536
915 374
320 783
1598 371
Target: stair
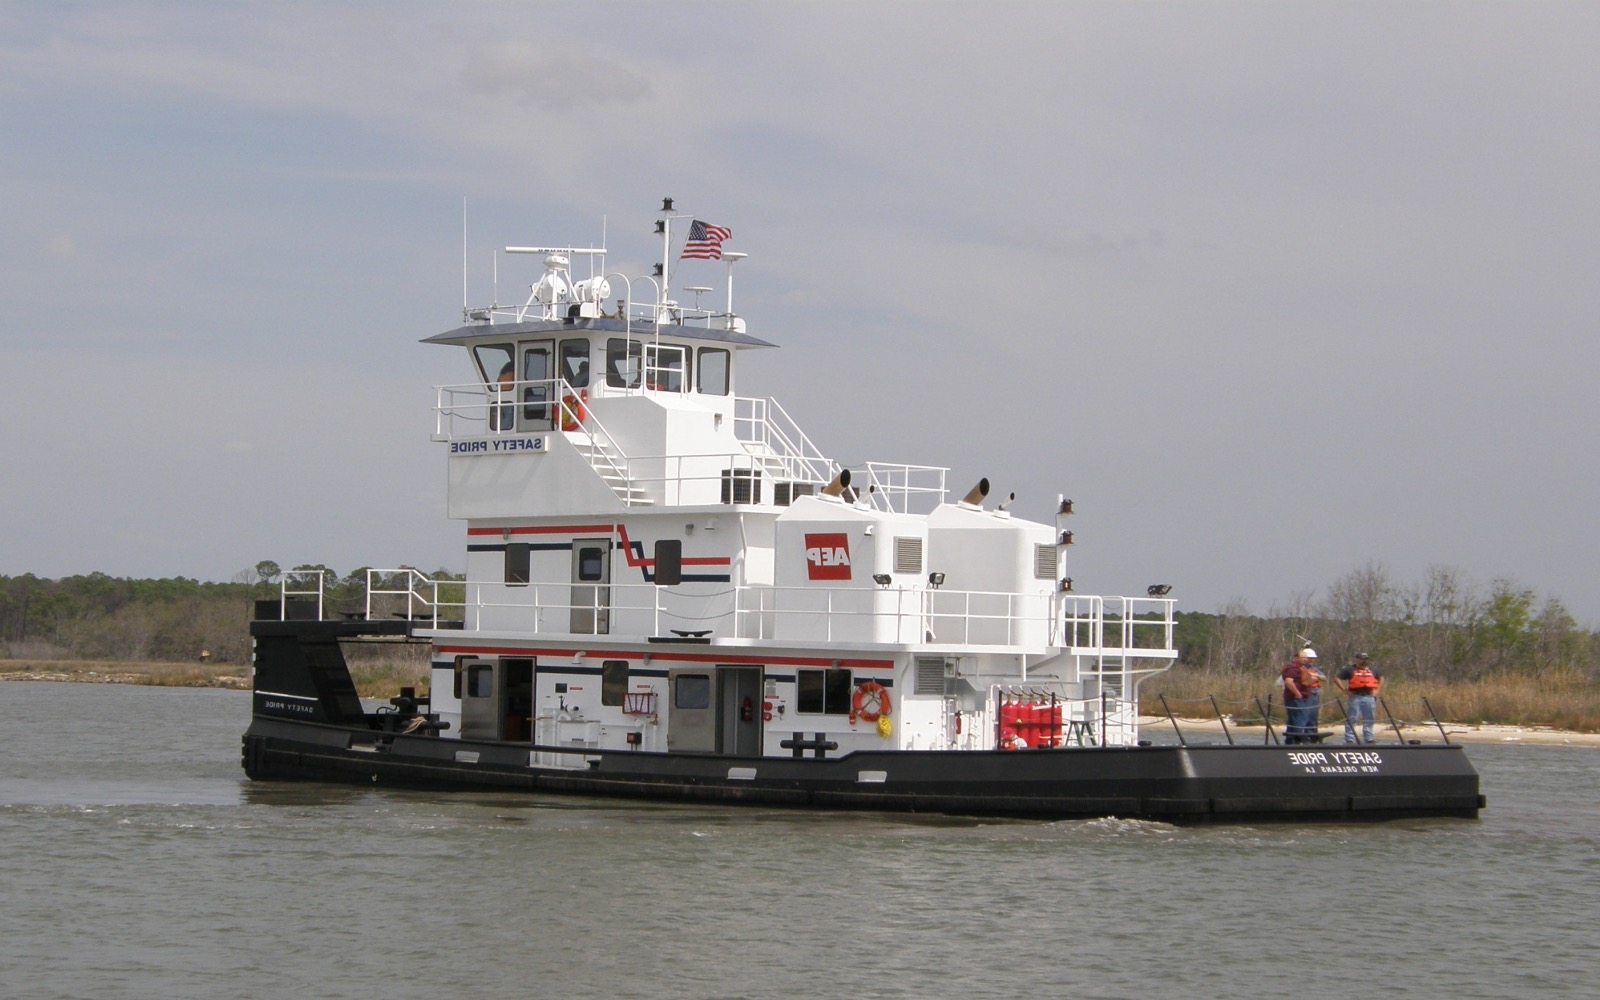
607 463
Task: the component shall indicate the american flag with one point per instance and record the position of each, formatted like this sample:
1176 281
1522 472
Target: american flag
705 241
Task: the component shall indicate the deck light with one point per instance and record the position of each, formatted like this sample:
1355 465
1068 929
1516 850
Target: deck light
935 580
882 579
1159 589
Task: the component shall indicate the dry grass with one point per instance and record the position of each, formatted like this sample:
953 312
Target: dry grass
384 678
229 675
1561 700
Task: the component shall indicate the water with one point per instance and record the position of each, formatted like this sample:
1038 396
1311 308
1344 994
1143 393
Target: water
137 861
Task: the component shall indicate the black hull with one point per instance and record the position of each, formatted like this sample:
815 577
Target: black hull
1195 784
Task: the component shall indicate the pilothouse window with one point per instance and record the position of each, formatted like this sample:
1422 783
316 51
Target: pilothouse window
623 365
499 373
713 371
536 369
575 363
663 368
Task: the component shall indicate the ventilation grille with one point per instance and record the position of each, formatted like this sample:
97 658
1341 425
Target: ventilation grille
930 675
908 556
741 486
785 493
1044 562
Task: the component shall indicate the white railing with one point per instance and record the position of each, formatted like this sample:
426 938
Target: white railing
299 585
770 432
1134 626
418 592
798 614
904 488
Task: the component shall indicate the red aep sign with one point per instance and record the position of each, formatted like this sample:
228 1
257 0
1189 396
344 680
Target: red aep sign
828 556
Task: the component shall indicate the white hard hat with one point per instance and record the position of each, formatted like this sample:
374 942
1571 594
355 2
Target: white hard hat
1309 653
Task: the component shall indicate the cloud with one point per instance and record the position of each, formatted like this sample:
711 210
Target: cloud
552 79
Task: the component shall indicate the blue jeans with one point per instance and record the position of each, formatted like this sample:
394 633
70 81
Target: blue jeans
1363 709
1302 717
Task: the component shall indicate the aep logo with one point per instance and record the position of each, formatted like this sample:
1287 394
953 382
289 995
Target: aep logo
828 556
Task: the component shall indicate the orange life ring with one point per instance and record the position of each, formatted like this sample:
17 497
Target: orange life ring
573 412
871 701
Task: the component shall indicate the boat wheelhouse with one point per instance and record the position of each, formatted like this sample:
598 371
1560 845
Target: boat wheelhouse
671 592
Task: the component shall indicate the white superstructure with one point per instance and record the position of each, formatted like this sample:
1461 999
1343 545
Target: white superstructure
655 562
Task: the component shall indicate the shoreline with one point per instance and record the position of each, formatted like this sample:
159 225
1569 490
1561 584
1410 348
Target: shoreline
149 674
1459 732
235 677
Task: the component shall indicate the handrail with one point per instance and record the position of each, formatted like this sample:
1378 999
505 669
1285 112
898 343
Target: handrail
420 591
285 594
909 614
754 424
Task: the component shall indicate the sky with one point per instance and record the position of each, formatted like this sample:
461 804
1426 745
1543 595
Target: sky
1275 292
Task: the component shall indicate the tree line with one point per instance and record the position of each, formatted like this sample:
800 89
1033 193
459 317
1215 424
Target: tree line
100 617
1442 629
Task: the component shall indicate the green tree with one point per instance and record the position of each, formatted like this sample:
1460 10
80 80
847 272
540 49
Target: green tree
1505 626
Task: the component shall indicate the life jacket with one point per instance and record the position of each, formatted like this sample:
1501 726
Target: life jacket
1363 680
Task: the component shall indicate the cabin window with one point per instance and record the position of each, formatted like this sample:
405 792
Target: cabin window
575 363
591 564
713 371
823 692
663 368
623 363
480 680
691 691
613 681
518 563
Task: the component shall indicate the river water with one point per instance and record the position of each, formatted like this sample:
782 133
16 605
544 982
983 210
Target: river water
136 860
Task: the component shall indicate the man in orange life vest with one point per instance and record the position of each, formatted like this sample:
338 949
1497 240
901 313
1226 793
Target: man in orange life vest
1302 682
1361 683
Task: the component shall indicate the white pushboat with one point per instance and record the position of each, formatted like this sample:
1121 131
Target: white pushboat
672 593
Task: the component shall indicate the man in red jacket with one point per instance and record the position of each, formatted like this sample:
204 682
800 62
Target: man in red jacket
1302 683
